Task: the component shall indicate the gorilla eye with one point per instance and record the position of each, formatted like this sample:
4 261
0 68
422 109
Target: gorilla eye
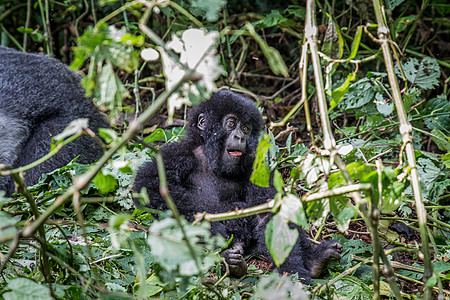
231 123
245 129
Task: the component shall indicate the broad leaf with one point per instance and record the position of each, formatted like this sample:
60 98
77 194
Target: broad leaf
261 171
280 239
210 9
359 94
292 210
424 74
26 289
105 182
171 251
439 109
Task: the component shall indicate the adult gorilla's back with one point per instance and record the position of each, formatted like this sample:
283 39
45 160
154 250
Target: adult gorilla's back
39 97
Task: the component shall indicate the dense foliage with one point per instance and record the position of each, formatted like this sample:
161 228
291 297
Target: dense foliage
359 146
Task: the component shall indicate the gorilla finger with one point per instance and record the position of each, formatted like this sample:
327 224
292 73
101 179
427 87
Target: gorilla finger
235 261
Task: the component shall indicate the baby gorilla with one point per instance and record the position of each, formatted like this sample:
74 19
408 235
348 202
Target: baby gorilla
209 171
39 97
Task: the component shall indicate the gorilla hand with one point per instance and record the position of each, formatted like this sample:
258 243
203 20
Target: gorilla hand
325 251
234 257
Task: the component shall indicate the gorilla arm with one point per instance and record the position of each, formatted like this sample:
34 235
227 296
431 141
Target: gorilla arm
179 164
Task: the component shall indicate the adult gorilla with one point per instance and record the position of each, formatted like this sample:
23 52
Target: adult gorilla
39 97
209 170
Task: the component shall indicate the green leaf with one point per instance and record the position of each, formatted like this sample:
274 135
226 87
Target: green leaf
357 170
116 221
298 11
342 211
289 143
108 134
210 9
275 286
122 55
424 74
106 47
26 289
4 200
441 266
352 248
428 171
333 34
8 229
446 159
154 286
437 105
280 239
433 181
292 210
112 90
410 97
170 250
383 106
392 189
105 183
402 23
157 135
338 94
432 281
356 42
359 94
441 140
261 171
278 182
274 18
276 62
107 2
115 287
353 289
22 29
119 230
391 4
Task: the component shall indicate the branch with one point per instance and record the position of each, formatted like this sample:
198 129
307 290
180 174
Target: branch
406 132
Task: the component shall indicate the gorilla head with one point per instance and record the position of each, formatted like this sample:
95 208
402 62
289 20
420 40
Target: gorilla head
228 128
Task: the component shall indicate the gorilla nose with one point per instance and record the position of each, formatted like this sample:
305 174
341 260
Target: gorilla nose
240 138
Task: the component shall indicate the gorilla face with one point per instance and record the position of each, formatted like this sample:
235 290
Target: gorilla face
234 148
227 129
235 143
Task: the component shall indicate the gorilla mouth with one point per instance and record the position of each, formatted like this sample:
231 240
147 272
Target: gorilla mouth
235 153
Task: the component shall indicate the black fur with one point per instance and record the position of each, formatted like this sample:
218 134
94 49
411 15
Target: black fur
39 97
198 183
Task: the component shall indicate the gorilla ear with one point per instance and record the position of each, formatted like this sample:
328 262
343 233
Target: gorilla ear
201 121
